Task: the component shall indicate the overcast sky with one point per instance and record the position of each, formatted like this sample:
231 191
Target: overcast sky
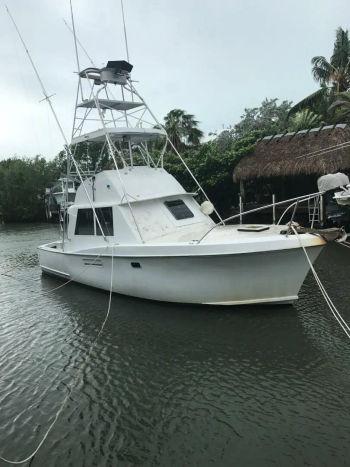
212 58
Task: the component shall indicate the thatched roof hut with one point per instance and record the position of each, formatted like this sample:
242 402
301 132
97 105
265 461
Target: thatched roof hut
308 152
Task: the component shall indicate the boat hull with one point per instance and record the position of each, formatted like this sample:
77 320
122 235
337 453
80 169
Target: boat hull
225 279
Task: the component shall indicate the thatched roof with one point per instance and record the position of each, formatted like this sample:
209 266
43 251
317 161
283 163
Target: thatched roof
297 153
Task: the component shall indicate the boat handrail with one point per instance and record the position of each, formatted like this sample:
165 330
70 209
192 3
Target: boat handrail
293 201
293 204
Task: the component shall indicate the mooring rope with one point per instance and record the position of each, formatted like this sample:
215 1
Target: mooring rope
46 292
79 374
346 244
55 288
343 324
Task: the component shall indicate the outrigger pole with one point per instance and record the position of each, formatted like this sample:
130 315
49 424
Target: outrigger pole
48 99
125 36
79 43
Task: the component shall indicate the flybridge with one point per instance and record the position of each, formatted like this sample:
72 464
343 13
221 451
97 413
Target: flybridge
127 124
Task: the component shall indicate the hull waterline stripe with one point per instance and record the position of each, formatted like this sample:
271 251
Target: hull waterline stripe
55 272
287 299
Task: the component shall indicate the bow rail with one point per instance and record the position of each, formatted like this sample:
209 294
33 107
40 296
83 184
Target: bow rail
292 201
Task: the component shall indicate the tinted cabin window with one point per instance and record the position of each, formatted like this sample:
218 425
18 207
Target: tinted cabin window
105 216
179 209
85 222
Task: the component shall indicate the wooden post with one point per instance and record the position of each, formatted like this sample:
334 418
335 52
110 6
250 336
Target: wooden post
321 211
241 188
240 209
274 209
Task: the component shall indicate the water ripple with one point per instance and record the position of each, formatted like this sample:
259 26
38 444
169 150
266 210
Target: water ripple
170 384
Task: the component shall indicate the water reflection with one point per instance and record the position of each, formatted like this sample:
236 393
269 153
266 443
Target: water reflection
172 384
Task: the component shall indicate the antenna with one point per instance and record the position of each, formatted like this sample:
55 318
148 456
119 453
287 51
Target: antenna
75 37
80 44
125 36
81 93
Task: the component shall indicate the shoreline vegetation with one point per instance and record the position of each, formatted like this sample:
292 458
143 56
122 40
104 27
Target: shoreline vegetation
23 180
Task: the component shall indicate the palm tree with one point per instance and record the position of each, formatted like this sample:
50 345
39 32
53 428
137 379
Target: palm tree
319 102
333 76
303 120
336 71
182 128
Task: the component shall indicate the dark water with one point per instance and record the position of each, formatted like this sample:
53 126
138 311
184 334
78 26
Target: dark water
170 384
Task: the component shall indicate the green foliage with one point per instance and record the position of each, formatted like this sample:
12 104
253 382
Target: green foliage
341 105
22 188
212 165
268 119
304 120
316 102
90 157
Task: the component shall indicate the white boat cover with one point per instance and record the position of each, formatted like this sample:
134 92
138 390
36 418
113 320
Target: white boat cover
332 181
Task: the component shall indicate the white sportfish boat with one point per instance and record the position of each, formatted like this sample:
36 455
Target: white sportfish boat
61 194
163 243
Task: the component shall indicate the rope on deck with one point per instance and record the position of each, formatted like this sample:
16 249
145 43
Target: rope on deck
346 244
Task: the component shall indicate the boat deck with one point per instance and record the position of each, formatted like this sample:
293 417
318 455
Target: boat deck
223 240
222 233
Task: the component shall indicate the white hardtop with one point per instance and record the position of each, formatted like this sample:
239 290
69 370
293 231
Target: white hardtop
132 184
124 134
109 104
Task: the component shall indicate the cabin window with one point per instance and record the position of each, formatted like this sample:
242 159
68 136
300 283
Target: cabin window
105 216
179 209
85 222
